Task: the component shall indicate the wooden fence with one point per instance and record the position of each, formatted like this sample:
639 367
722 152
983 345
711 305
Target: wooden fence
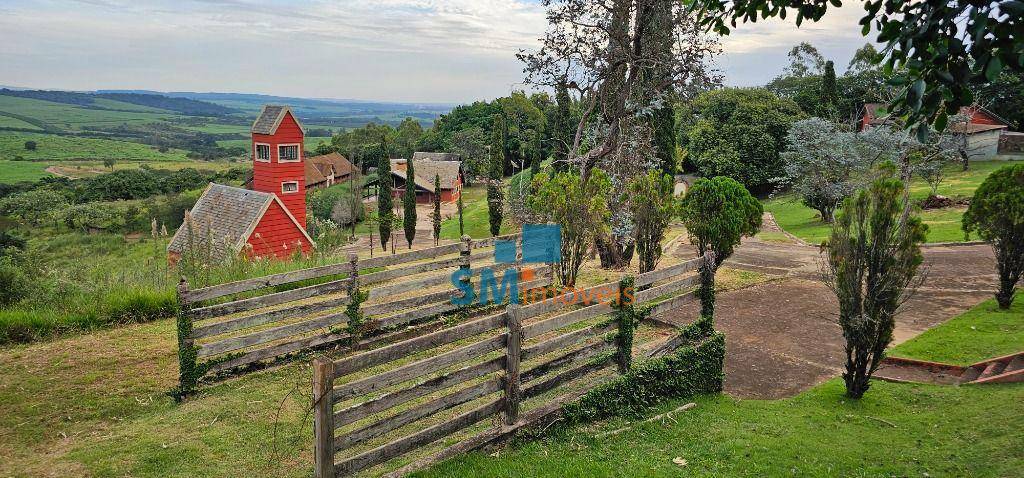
392 400
256 321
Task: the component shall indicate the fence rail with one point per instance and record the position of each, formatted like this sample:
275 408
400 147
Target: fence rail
378 405
255 322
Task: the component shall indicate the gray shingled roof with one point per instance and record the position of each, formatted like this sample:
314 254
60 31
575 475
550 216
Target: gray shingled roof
426 170
270 118
222 217
419 155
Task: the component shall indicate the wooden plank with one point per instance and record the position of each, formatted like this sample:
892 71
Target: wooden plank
408 443
432 281
323 417
246 285
269 335
418 368
268 300
413 315
513 353
418 412
370 358
277 350
262 318
489 242
390 274
668 272
537 329
566 340
662 307
574 357
549 384
568 299
666 289
409 302
390 260
390 400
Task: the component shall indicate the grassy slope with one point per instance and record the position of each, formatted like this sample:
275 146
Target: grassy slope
73 118
474 214
983 332
50 147
895 430
944 224
14 171
11 122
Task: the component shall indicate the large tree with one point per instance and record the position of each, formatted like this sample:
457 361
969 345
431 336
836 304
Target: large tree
935 49
385 215
495 195
407 137
409 203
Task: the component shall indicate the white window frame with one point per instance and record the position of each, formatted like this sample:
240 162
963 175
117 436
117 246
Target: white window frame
296 183
298 155
255 152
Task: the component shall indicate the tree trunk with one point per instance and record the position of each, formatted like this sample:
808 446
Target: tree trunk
1006 292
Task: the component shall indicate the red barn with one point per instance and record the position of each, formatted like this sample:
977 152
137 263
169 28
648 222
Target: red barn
267 221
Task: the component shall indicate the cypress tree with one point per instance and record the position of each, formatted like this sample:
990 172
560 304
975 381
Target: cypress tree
437 208
562 133
409 203
829 94
462 227
538 155
384 201
495 197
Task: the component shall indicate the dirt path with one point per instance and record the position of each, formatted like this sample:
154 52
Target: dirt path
782 336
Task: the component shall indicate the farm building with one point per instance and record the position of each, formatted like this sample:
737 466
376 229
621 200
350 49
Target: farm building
267 221
450 173
327 170
422 156
983 131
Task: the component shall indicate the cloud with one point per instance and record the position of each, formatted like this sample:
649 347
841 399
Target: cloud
403 50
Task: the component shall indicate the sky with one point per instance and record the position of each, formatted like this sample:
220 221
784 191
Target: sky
437 51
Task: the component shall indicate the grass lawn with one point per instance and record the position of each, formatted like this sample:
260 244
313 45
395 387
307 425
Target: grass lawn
51 147
474 215
943 224
983 332
15 171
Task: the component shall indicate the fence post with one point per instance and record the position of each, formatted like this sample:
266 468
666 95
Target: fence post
513 352
187 356
465 248
323 417
625 314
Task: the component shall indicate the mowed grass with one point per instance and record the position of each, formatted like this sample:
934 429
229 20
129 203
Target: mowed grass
943 224
67 117
16 171
981 333
51 147
474 215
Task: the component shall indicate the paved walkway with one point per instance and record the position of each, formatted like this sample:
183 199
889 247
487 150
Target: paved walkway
782 337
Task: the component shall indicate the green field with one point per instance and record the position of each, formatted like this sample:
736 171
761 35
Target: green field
474 215
60 116
943 224
51 147
15 171
12 122
220 128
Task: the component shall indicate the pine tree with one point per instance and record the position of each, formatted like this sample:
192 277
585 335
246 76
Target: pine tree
409 203
495 197
384 201
829 92
437 208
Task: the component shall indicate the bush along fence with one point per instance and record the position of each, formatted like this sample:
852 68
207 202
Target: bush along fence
374 407
243 325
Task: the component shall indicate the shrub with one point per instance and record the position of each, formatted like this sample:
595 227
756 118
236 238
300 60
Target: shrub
13 282
94 215
123 184
690 371
30 145
873 256
996 214
652 206
580 209
35 206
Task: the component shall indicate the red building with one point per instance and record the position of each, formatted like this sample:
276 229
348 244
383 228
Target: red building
267 221
449 173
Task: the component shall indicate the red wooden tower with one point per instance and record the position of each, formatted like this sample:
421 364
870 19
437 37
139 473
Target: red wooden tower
277 158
